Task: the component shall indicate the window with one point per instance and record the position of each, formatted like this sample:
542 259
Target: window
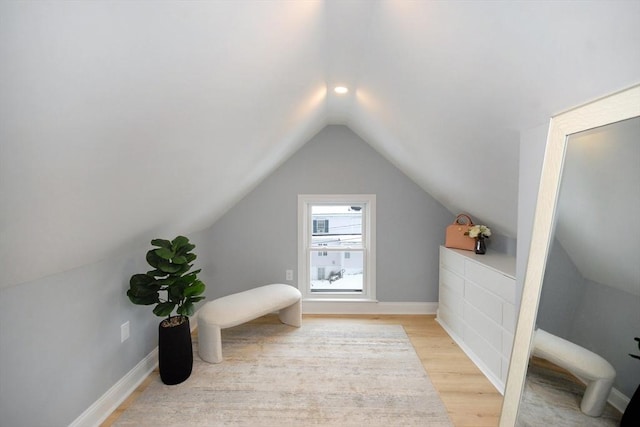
336 240
320 226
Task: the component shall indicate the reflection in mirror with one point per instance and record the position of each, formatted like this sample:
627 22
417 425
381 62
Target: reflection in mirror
590 298
590 302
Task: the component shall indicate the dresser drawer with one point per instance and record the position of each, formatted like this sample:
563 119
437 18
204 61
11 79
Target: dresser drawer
507 344
483 301
484 326
509 316
487 354
452 261
493 281
451 321
505 370
452 281
452 300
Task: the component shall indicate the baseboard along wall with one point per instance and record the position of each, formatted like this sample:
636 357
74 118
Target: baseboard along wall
368 307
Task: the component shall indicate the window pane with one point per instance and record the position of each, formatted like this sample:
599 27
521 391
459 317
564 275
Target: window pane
335 272
336 225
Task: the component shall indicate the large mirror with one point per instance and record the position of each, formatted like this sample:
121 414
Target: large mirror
581 294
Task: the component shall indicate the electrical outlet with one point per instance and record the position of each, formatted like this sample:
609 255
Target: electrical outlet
289 275
124 331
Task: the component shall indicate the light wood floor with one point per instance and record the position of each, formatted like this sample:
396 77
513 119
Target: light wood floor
469 397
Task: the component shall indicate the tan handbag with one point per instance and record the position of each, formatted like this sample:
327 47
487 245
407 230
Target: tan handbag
454 235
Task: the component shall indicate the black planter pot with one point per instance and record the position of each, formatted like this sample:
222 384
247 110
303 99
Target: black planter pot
175 354
631 416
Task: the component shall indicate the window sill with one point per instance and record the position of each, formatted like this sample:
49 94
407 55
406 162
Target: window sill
334 299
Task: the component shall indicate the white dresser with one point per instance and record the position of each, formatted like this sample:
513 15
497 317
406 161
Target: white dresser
477 307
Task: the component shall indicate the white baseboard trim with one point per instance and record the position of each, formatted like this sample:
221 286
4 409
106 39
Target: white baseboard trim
109 402
368 307
95 414
618 400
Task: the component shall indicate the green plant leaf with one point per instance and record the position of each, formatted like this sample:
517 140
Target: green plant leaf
167 267
167 281
140 279
184 250
165 253
187 279
148 299
156 273
162 243
141 286
190 257
152 259
176 292
179 259
164 309
183 268
179 242
141 290
195 289
187 309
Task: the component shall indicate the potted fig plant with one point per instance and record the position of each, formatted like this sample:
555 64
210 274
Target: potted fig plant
631 416
170 286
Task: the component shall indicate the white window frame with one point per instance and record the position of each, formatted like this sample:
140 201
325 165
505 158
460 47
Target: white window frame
305 226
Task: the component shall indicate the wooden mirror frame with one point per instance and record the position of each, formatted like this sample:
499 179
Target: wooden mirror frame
611 109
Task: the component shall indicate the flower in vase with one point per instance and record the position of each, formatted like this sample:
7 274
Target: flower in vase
478 232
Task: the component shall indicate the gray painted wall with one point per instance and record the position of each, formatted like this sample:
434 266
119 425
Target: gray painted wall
532 145
256 241
60 344
561 293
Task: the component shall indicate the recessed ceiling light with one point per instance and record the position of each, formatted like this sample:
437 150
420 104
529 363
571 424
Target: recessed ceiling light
340 90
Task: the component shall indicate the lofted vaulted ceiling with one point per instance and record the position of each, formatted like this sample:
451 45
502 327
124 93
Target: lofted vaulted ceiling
122 121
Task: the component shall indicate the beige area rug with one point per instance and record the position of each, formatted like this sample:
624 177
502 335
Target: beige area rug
320 375
552 398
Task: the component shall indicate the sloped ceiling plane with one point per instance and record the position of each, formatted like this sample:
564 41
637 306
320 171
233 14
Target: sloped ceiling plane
120 121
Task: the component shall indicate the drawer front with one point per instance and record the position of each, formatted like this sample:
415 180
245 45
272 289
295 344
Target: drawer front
509 316
507 344
452 261
451 300
452 281
490 357
484 326
452 321
505 370
483 301
497 283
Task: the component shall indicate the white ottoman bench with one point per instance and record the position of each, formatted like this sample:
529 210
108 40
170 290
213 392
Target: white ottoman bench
235 309
588 366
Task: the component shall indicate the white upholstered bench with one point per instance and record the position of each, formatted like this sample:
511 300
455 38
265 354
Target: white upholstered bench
235 309
589 367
